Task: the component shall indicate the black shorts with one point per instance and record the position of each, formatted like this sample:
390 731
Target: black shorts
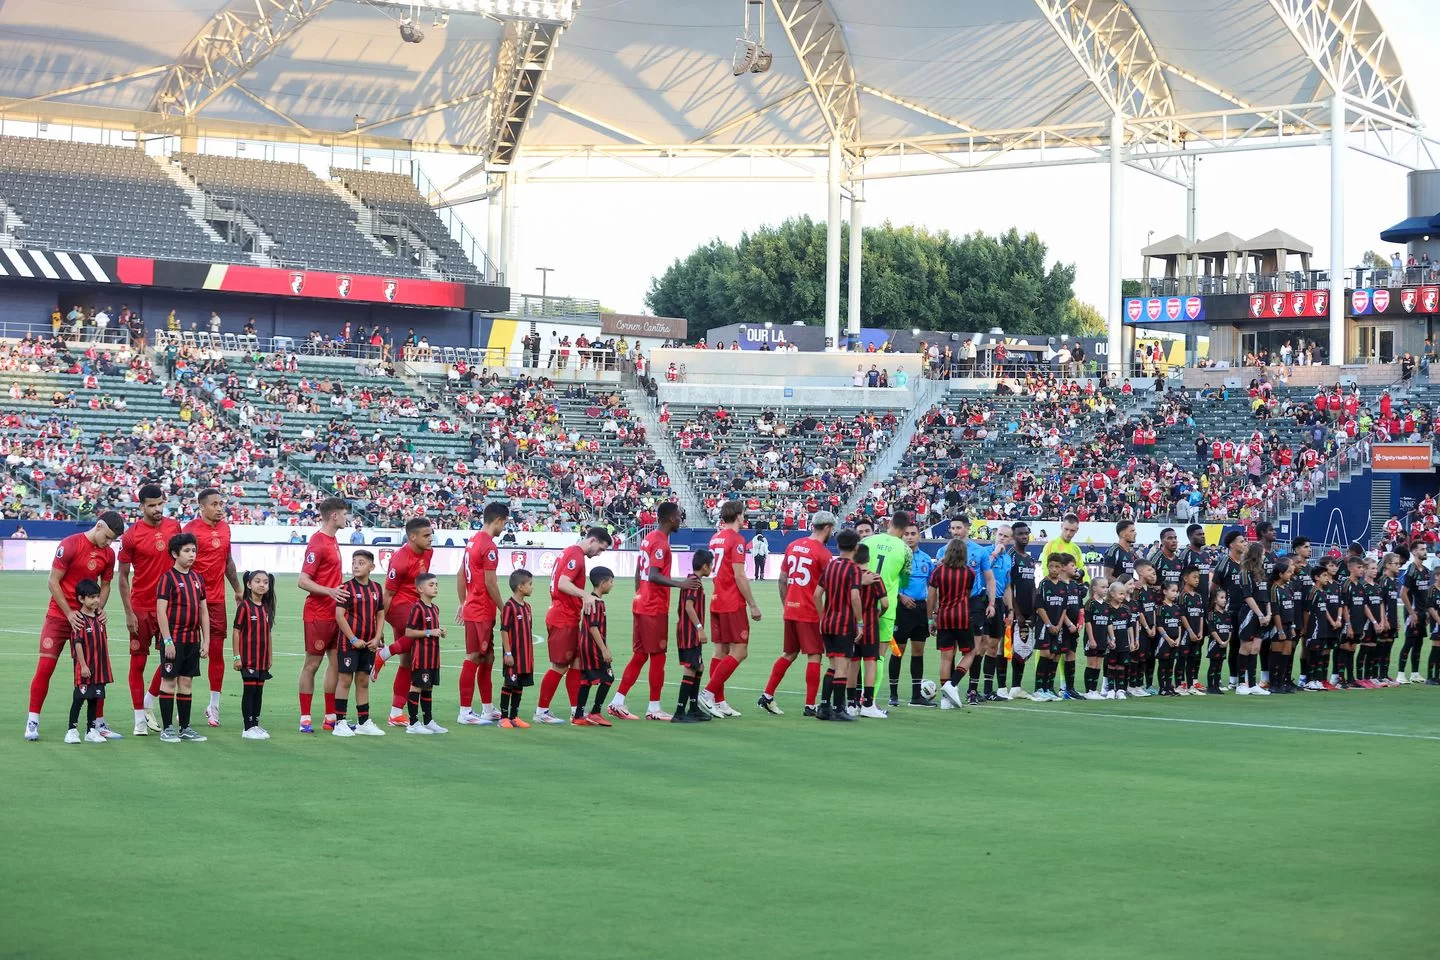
996 625
355 659
425 679
962 640
90 691
692 657
1145 649
912 623
867 651
1048 640
601 675
1116 657
516 681
185 664
252 675
1163 650
980 624
838 645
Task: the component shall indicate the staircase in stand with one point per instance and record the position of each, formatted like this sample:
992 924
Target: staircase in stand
669 458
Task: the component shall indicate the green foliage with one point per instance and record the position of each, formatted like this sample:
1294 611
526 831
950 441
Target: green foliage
1130 288
910 278
1085 319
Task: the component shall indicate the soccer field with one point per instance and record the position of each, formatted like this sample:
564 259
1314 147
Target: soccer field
1297 826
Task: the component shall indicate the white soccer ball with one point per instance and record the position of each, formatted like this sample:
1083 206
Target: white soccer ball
927 689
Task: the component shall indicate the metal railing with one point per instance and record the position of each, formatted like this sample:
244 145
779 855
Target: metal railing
1205 286
1327 475
531 306
458 231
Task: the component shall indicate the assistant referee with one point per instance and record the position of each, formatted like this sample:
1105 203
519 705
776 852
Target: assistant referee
1065 545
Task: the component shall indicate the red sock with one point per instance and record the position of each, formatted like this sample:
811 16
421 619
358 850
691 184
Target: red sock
631 674
487 687
305 699
657 676
329 705
777 673
548 685
154 687
216 671
719 673
99 709
401 689
467 683
572 687
137 679
40 685
812 682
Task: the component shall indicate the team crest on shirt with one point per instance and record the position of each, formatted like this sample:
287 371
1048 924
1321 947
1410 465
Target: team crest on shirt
215 542
92 564
159 543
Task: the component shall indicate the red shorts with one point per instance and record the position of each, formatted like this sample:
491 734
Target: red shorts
733 627
480 637
219 626
146 632
650 633
802 637
321 636
562 644
54 634
398 616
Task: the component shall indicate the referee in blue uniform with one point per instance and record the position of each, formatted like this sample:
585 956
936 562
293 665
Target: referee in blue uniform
990 631
912 623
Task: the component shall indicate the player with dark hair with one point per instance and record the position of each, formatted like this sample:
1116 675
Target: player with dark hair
1118 562
1417 596
320 579
360 618
145 549
728 627
79 557
948 603
91 651
180 606
650 611
1229 576
891 557
839 624
424 632
569 602
912 623
478 590
407 565
215 564
593 656
517 645
801 568
254 652
1020 601
690 641
874 603
1199 554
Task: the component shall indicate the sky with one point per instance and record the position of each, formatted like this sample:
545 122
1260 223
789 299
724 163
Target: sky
606 241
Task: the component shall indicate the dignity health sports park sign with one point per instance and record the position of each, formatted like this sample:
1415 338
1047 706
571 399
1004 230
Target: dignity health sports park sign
1146 310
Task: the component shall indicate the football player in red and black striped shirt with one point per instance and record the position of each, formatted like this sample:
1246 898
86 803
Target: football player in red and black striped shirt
254 621
91 651
362 630
948 602
839 624
874 601
594 652
690 640
517 644
184 619
424 632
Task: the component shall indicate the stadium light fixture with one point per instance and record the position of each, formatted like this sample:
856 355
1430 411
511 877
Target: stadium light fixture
551 11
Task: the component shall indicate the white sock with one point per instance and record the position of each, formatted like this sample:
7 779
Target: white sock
618 701
487 708
32 718
139 716
215 699
383 654
1232 681
1264 676
654 707
396 712
149 700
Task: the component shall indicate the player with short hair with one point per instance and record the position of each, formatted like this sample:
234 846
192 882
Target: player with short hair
90 650
873 607
360 617
948 603
215 564
1417 596
1020 601
478 590
912 623
650 612
991 633
839 624
1193 639
1389 587
1326 618
517 646
801 568
1118 563
79 557
1065 545
1169 564
424 632
407 565
320 580
593 656
1229 576
180 607
1050 612
569 602
254 652
728 628
145 550
690 641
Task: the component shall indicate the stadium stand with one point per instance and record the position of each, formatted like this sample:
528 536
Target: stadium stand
91 198
395 197
309 223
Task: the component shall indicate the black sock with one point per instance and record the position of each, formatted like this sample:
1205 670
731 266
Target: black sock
425 706
687 693
1432 666
917 674
1234 656
868 700
515 702
987 667
827 685
1092 679
581 700
1150 671
182 709
259 697
167 709
600 692
362 712
504 702
1277 669
412 705
92 707
247 705
892 672
1212 673
1017 672
839 692
341 705
75 702
975 670
1070 675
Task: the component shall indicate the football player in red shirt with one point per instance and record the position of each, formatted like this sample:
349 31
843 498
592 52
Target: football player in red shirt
406 565
321 577
650 633
569 602
728 628
145 549
216 567
80 556
480 602
800 569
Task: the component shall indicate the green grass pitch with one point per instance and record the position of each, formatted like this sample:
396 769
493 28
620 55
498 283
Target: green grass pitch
1299 826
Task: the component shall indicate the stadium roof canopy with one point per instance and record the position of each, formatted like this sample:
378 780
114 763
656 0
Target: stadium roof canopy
939 84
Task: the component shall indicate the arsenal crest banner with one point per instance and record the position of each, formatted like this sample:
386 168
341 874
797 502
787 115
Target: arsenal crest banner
1146 310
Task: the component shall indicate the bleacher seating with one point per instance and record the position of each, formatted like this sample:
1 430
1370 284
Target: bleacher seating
90 198
309 223
395 195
